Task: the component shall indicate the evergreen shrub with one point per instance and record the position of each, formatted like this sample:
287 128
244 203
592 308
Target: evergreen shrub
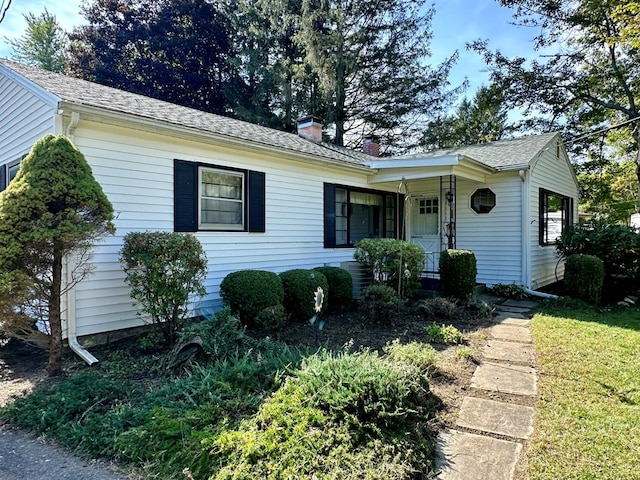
584 277
340 285
300 287
248 292
272 319
392 261
380 304
458 273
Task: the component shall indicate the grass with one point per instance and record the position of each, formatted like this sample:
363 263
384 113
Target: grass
587 422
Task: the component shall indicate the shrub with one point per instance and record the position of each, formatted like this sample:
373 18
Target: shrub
438 307
340 285
448 335
392 261
458 273
271 319
617 246
380 303
164 271
248 292
341 416
300 287
221 334
584 277
481 308
505 290
420 355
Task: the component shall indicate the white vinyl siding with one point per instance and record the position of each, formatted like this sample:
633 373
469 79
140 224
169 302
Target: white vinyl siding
136 173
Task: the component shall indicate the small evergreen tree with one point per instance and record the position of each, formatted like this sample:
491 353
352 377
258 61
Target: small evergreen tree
52 209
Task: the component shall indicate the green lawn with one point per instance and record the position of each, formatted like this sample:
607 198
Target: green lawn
588 417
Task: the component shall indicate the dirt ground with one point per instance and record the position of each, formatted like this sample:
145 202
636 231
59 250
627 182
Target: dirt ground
22 367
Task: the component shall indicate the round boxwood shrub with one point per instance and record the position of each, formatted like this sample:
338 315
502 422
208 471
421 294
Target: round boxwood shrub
271 319
248 292
380 304
300 287
584 277
458 273
340 285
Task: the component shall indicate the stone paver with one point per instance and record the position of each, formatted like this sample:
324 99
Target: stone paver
507 320
504 378
502 315
507 308
520 303
496 417
511 332
509 351
465 456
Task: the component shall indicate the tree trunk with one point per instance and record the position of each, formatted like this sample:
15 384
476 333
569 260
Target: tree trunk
55 322
636 137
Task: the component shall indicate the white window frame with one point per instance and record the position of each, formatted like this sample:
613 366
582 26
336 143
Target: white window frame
241 201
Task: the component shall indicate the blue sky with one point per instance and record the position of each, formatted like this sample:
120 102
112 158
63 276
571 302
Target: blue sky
456 22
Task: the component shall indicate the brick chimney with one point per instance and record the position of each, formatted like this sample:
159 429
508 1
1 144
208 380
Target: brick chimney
310 127
371 145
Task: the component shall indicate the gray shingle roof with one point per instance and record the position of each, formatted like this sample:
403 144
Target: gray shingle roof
502 154
498 155
82 92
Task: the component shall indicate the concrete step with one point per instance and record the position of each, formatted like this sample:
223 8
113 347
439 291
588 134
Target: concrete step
505 378
509 351
496 417
512 333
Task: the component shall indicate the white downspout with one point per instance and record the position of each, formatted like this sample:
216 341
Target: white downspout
72 336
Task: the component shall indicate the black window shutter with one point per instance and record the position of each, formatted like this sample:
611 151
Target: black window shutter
185 196
3 177
257 200
329 215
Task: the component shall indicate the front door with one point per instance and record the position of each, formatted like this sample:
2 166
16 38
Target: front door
425 231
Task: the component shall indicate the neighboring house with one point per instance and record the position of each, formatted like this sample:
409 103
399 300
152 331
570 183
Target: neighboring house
264 199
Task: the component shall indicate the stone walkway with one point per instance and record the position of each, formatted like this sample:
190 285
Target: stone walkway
490 434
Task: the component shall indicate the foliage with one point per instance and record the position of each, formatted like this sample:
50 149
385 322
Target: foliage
52 209
420 355
617 246
438 307
340 416
121 42
481 308
43 44
587 80
221 334
340 285
380 304
448 335
396 263
271 319
248 292
465 353
164 270
508 290
480 120
586 416
458 273
300 287
583 277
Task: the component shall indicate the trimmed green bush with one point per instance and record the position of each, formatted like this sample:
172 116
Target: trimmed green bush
248 292
340 285
584 277
380 304
271 319
165 270
458 273
300 287
438 307
392 261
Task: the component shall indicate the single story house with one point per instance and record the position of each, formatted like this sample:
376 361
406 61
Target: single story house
257 198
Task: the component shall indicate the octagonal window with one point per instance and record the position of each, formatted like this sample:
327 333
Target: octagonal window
483 200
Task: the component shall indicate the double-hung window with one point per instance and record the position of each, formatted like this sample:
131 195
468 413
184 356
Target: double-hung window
351 214
556 214
8 172
215 198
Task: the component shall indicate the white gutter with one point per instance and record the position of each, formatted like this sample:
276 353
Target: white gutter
526 228
72 337
535 293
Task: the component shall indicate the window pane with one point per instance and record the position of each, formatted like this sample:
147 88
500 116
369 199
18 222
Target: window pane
220 185
221 212
221 199
365 216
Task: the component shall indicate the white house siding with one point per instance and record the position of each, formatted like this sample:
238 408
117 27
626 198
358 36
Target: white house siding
25 119
135 170
495 237
556 174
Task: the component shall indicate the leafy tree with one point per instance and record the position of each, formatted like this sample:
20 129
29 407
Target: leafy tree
52 209
174 50
371 62
43 44
591 82
481 120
